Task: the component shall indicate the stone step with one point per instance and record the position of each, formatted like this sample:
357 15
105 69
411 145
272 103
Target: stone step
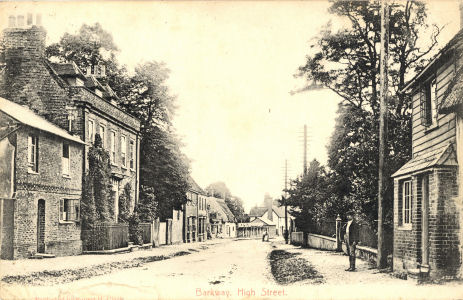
42 255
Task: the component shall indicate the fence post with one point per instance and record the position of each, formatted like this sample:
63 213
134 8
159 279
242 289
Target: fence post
338 234
169 232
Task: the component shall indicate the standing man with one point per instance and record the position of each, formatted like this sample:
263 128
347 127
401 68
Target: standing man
351 239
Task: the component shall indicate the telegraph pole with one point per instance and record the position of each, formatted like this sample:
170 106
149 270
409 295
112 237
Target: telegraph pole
382 259
305 150
286 234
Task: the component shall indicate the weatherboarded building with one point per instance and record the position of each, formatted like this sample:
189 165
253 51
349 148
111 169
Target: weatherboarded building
428 189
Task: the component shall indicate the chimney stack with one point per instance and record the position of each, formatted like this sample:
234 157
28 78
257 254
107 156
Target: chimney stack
24 41
269 204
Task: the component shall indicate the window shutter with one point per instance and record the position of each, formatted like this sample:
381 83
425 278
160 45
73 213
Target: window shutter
61 209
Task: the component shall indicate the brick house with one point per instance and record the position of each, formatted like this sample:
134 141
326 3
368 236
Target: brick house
195 214
41 180
427 189
72 100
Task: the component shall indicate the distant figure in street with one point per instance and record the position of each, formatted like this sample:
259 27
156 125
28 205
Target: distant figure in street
265 237
351 239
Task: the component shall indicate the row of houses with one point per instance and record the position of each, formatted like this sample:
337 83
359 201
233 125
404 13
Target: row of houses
50 114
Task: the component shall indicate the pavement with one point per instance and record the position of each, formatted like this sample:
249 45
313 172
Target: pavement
227 269
28 266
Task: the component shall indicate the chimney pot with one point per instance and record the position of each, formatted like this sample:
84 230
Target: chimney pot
12 21
29 19
38 19
20 20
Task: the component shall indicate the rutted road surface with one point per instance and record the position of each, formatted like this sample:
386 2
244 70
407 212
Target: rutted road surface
240 269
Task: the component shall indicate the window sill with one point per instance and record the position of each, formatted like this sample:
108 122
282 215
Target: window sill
32 172
66 176
124 167
67 222
405 227
114 164
431 128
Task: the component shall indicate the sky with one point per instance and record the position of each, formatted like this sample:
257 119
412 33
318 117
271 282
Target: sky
232 67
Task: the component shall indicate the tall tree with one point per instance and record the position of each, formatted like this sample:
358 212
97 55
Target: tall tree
91 46
218 189
306 195
347 62
164 168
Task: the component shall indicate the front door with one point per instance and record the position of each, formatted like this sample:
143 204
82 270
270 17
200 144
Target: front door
425 220
41 226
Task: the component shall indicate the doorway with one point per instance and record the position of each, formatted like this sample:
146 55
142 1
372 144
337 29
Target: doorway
41 226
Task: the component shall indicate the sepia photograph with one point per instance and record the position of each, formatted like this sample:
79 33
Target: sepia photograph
245 149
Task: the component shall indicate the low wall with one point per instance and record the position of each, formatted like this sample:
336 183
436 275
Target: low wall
321 242
177 227
364 252
162 233
297 238
328 243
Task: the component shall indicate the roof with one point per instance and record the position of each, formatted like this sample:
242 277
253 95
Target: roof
220 207
226 209
28 117
257 211
92 83
435 62
68 69
260 211
443 156
262 220
194 186
453 95
280 211
109 93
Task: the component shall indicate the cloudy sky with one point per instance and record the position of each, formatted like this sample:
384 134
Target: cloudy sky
232 66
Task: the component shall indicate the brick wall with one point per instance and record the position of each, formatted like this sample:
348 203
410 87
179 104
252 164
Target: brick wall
444 224
405 239
30 80
61 238
128 175
27 79
443 227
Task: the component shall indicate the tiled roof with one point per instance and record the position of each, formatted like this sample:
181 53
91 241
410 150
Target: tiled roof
215 207
262 221
257 211
455 42
280 211
109 93
226 209
28 117
67 69
453 96
194 186
443 156
92 83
